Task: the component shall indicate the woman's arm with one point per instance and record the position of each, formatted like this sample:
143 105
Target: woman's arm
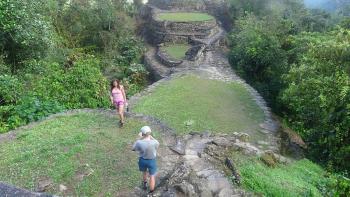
110 96
124 95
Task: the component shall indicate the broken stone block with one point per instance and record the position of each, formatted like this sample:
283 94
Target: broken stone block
44 184
244 137
220 141
63 188
185 189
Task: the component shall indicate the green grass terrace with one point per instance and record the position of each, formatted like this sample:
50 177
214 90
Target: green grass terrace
185 16
299 178
192 103
86 152
176 51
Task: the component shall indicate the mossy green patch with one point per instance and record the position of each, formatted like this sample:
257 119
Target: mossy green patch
191 103
176 51
301 178
88 153
185 16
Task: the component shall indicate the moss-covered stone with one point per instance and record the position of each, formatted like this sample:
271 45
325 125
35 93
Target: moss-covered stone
269 159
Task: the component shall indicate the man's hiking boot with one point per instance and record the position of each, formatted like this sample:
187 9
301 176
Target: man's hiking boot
144 185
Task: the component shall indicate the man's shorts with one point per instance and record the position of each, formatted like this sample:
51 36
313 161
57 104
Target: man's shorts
150 164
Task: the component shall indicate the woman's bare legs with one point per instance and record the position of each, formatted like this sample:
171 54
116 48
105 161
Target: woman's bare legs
121 114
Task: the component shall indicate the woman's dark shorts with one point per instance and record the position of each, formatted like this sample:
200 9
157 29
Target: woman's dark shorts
150 164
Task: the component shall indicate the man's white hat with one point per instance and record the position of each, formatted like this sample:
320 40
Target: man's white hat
145 130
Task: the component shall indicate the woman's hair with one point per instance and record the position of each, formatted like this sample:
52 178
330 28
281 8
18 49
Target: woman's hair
118 84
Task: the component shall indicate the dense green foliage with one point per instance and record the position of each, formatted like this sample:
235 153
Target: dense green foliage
25 31
299 60
57 55
88 153
317 97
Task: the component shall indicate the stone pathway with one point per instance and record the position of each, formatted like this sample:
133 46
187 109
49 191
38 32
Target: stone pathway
187 163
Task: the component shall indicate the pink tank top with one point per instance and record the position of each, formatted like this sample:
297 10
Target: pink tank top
117 95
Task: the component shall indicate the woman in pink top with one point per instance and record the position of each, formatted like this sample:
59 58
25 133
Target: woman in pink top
118 99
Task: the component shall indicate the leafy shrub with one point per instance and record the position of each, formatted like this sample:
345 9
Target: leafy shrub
130 51
32 109
85 86
137 78
25 32
10 89
338 185
28 109
4 69
5 113
342 186
80 86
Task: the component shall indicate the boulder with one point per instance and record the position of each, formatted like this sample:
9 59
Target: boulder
245 148
221 141
244 137
292 144
179 147
268 157
185 189
206 134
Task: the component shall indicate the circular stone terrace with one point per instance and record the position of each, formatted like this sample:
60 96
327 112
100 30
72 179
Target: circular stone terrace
177 27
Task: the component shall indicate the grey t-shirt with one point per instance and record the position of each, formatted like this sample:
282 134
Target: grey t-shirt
146 148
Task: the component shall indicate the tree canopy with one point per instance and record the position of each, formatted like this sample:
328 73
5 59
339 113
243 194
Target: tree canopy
299 60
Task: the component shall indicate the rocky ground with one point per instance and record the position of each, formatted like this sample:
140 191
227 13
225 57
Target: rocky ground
189 165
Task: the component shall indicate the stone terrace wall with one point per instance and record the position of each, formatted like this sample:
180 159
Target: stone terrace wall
168 31
178 4
165 59
187 27
217 8
195 52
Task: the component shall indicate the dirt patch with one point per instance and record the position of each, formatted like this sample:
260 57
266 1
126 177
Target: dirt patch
7 137
82 172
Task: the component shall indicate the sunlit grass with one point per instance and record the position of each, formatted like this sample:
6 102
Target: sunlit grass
191 103
301 178
64 148
177 51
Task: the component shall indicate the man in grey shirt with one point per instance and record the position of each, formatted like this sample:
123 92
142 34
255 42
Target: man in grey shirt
147 147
